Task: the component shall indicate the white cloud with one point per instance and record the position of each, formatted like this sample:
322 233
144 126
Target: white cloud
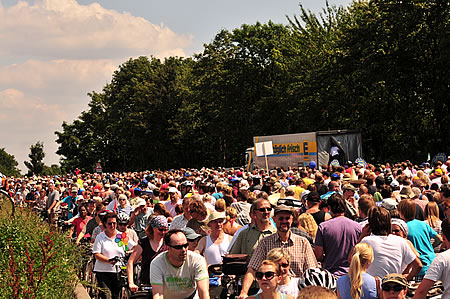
52 53
37 96
57 80
26 119
66 29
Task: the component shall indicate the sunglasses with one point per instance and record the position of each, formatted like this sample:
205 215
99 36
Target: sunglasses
395 288
162 229
178 247
111 223
122 223
284 218
284 265
395 230
267 275
262 210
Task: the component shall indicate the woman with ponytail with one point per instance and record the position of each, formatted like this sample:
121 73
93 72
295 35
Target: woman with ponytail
357 284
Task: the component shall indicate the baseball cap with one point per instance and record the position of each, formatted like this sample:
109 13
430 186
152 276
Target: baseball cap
140 202
395 278
216 215
349 187
389 203
313 196
283 208
190 233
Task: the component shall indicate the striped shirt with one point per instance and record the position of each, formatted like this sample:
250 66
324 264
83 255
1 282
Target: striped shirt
302 255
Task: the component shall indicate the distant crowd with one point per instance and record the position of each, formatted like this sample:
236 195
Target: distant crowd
352 231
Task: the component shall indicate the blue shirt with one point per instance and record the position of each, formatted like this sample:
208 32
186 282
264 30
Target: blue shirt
420 234
70 201
369 287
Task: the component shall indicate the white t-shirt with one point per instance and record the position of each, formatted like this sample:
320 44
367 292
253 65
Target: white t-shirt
439 270
178 282
391 254
109 248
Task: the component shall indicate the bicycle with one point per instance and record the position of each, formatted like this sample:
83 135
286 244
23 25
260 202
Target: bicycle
144 290
122 277
7 206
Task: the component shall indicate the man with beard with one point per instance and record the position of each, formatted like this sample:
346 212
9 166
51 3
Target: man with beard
302 255
178 272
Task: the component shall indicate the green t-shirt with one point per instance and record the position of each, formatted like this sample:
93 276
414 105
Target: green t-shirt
178 282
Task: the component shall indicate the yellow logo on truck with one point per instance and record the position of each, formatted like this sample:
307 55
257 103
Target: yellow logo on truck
304 148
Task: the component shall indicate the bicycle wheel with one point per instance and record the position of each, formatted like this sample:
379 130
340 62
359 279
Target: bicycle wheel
6 204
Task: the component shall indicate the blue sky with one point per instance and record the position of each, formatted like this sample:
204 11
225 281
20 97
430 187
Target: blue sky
53 52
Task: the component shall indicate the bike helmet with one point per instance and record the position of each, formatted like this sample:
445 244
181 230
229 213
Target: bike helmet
123 218
319 277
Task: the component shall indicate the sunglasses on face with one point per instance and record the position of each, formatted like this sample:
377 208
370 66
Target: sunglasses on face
396 231
395 288
122 223
284 265
162 229
111 223
284 218
267 275
178 247
262 210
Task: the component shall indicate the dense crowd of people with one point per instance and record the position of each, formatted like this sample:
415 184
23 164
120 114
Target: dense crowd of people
353 231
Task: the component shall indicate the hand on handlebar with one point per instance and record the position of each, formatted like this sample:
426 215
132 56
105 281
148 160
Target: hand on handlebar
113 260
133 287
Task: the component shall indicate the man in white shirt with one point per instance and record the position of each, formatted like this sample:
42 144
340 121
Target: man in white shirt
179 273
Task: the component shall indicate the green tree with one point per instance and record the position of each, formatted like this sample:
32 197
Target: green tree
8 164
238 91
36 164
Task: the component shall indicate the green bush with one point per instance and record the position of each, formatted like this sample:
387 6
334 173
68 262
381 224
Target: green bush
36 260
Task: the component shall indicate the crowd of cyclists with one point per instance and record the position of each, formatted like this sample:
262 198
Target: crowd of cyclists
352 231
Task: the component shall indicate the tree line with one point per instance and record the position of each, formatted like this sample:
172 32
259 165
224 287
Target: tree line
380 66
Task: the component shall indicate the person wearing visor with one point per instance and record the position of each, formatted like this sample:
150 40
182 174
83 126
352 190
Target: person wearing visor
268 277
148 248
214 246
394 286
179 273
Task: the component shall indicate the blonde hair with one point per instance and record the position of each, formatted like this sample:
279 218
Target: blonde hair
270 263
306 221
421 175
231 213
220 205
277 254
432 213
362 254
